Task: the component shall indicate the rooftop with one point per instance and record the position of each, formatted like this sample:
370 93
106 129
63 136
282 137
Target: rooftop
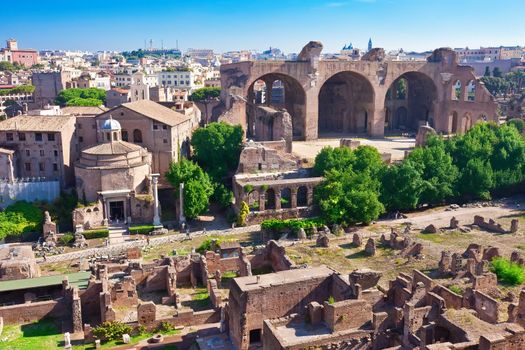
36 123
112 148
83 110
78 279
157 112
289 276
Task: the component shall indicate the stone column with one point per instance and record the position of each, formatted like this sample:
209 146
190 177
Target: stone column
311 111
182 219
268 97
277 199
309 196
262 201
105 208
293 198
156 217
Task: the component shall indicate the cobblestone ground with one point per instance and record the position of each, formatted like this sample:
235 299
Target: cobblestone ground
116 249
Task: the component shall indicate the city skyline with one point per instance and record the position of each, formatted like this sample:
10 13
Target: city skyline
228 25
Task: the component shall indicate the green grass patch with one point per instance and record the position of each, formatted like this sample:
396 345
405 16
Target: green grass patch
200 300
44 334
508 273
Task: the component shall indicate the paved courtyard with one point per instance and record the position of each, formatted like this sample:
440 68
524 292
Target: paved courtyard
394 145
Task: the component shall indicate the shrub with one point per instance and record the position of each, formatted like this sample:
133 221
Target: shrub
93 234
19 220
141 229
508 272
208 245
243 214
111 330
456 289
331 300
165 326
67 238
518 124
291 225
140 330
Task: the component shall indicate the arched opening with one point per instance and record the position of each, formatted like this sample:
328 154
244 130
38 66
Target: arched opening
345 102
125 136
137 136
411 103
454 127
270 199
253 200
467 122
456 91
278 94
259 92
471 91
276 91
302 196
286 198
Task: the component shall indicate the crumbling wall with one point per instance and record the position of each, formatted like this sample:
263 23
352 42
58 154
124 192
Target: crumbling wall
347 314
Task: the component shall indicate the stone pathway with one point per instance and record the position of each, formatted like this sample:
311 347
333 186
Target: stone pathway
115 249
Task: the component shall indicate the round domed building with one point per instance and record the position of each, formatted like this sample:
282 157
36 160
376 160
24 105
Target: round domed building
116 175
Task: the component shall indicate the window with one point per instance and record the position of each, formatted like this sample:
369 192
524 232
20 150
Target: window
9 136
41 166
79 126
93 126
42 153
21 136
80 139
165 140
38 136
55 167
28 153
55 152
124 135
137 136
155 127
164 127
28 166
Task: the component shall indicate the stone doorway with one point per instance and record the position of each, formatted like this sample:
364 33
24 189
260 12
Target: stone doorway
116 211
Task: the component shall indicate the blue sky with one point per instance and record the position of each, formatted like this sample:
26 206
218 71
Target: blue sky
257 24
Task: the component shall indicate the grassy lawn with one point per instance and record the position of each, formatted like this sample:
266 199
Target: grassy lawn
46 335
35 336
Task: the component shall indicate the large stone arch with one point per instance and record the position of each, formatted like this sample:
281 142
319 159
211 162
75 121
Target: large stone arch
293 100
345 104
411 99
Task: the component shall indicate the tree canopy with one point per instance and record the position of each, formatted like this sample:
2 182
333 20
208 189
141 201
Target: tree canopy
205 93
358 187
19 218
75 97
22 89
197 186
217 148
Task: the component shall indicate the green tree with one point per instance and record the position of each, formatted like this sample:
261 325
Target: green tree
496 85
339 158
348 198
205 93
436 169
84 102
217 148
76 94
222 196
496 72
401 186
476 180
197 186
487 72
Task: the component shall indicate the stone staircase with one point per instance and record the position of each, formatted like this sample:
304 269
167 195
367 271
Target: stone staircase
117 233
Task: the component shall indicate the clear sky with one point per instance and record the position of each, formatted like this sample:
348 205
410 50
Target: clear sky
225 25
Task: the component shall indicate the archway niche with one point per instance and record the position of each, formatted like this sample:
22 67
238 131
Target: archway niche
410 103
286 198
302 196
270 199
277 91
346 103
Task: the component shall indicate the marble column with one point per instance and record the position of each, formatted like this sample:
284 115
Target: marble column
293 198
182 218
156 217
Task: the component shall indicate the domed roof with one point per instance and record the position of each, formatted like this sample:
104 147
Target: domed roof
110 124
